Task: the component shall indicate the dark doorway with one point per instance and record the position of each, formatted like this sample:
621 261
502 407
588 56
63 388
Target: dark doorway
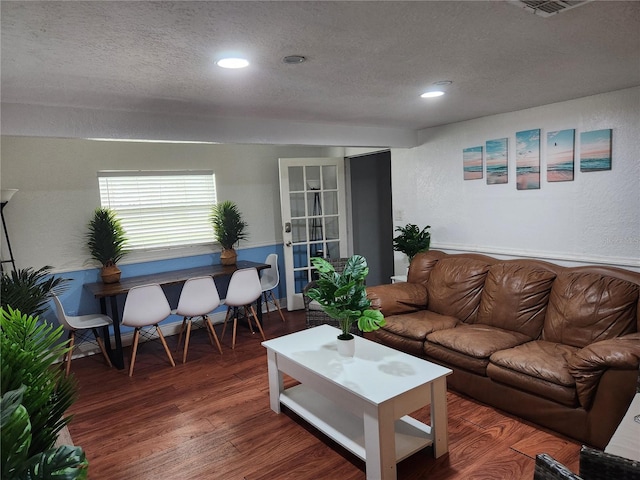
371 213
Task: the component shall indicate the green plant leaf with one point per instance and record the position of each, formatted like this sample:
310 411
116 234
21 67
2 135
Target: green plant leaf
30 290
28 350
63 463
411 240
371 320
228 226
343 295
16 433
106 238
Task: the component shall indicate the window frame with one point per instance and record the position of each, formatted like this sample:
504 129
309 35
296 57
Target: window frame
175 200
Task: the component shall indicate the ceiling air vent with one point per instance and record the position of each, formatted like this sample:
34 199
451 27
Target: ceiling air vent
547 8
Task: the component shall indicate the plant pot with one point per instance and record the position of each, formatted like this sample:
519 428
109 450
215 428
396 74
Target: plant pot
110 274
346 348
228 256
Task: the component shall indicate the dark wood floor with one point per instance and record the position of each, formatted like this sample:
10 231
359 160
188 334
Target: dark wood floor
210 419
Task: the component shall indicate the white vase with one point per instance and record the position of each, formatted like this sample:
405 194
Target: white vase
346 348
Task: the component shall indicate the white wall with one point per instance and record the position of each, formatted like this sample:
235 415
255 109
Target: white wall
58 190
65 122
595 218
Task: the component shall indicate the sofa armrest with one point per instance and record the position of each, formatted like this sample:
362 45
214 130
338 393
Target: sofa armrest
589 363
398 298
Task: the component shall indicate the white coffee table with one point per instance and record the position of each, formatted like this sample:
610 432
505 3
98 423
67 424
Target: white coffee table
361 402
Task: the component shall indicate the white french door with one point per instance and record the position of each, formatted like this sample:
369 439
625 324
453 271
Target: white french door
312 200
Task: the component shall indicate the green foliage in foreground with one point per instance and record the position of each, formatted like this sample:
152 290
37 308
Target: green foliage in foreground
35 395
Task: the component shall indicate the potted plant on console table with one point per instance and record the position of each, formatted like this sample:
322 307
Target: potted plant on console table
229 229
343 296
106 240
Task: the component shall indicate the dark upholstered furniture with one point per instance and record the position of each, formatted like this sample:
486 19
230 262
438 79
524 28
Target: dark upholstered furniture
554 345
548 468
594 465
598 465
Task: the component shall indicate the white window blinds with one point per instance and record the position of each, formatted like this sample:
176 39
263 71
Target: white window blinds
160 209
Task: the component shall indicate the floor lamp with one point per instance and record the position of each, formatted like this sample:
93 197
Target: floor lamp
5 196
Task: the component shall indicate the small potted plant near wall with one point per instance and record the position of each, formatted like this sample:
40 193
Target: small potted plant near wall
229 229
106 240
343 296
412 240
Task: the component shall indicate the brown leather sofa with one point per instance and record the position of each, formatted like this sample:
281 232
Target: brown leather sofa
554 345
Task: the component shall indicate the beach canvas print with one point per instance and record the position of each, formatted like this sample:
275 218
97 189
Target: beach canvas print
595 151
528 159
472 163
497 165
560 155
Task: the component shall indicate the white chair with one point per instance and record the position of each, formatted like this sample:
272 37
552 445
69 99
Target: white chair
198 298
269 280
146 306
244 289
79 324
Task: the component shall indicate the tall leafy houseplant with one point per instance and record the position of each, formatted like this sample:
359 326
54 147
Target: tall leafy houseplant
34 398
106 240
411 240
29 290
343 296
229 229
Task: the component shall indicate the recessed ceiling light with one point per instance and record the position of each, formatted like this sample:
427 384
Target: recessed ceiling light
232 63
294 59
432 94
443 82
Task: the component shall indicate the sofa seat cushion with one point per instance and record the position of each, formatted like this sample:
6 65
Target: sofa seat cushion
418 325
539 367
404 344
470 346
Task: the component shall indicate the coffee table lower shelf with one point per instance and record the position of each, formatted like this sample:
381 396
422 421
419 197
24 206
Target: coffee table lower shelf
347 429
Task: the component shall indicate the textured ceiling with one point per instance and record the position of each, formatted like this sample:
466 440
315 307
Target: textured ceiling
368 62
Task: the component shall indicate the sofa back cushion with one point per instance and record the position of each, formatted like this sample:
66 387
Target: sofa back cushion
455 286
515 298
588 307
422 265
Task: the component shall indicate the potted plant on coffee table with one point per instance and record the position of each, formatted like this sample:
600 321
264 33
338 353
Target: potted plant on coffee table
412 240
229 229
343 296
106 240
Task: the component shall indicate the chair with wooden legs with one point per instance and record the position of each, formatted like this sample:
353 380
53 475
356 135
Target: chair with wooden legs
80 324
146 306
269 281
198 298
244 289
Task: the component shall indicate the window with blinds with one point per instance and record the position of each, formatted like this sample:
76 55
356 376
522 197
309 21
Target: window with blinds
161 209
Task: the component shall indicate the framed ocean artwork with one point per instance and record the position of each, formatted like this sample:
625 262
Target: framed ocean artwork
472 163
497 161
595 151
560 155
528 159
